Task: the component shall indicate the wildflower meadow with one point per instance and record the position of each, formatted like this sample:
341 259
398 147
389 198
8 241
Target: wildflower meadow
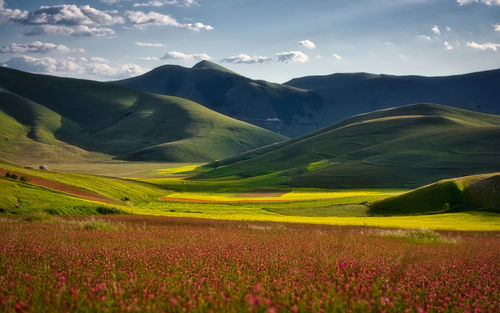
162 264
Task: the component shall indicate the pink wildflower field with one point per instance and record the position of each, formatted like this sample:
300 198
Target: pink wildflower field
161 264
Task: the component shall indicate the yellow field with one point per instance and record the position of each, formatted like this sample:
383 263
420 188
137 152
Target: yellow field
468 221
294 195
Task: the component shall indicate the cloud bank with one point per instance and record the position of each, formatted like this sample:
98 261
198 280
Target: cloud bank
141 19
37 47
176 55
93 66
246 59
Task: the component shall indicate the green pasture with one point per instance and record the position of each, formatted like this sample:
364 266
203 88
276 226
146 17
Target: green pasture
142 195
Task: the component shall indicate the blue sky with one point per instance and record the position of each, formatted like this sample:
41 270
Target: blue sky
272 40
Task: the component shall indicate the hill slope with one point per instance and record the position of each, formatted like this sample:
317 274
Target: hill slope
46 118
476 192
284 109
306 104
407 146
347 94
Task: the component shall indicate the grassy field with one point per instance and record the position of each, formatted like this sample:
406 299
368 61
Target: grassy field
229 199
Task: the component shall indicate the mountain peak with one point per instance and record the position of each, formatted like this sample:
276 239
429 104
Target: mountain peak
208 65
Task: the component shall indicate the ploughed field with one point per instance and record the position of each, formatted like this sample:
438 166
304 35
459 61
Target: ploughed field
166 264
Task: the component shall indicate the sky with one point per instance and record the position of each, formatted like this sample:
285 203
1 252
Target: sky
272 40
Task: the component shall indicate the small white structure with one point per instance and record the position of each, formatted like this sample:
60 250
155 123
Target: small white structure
43 167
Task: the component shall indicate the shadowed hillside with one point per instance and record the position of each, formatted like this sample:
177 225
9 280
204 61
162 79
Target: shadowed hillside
49 118
347 94
309 103
283 109
407 146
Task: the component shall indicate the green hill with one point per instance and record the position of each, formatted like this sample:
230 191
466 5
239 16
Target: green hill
48 118
283 109
309 103
471 193
407 146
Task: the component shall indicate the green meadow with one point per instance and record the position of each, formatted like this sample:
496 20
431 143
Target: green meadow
221 199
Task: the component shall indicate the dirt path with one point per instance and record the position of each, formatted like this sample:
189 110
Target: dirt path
74 191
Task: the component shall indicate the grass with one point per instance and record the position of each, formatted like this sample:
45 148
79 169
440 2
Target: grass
336 207
39 124
404 147
476 192
231 94
419 236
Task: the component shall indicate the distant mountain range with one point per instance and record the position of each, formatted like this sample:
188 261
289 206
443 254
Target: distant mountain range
310 103
407 146
50 119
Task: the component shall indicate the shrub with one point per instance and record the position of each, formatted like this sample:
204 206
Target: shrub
25 179
107 210
7 175
13 176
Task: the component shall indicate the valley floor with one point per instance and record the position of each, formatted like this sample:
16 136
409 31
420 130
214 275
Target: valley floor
162 189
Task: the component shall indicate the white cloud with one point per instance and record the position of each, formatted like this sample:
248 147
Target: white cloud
69 15
448 28
425 37
487 2
436 30
7 15
149 59
176 55
292 56
77 31
37 47
336 56
308 44
246 59
497 27
448 46
484 46
66 19
149 44
154 3
97 67
140 19
160 3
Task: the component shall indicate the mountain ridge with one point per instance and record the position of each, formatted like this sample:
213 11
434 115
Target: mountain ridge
306 104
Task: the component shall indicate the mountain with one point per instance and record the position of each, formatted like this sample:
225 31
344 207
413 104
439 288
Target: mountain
284 109
53 118
470 193
309 103
347 94
407 146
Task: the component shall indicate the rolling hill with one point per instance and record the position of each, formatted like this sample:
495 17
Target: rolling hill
309 103
470 193
282 109
407 146
46 118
